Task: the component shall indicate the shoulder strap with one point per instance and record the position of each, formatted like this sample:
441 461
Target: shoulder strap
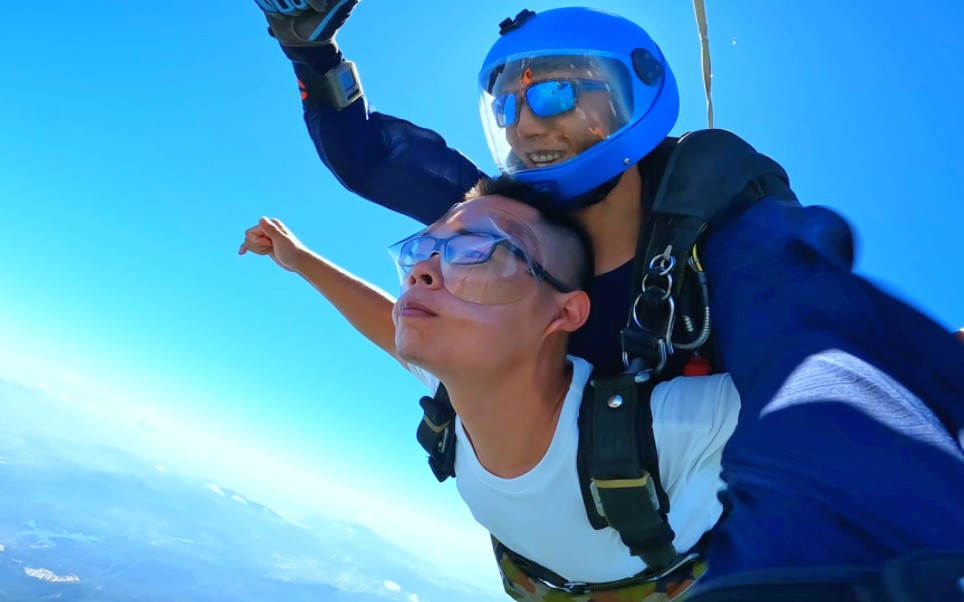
708 169
619 469
436 433
689 183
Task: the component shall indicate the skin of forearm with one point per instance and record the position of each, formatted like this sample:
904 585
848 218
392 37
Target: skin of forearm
365 306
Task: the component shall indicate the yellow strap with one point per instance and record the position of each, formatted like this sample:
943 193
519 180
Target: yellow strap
437 428
700 9
621 483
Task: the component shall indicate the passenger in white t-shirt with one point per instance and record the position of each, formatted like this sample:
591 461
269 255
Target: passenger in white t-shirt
539 513
490 295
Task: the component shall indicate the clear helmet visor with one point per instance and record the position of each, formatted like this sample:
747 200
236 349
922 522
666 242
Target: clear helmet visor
486 255
542 111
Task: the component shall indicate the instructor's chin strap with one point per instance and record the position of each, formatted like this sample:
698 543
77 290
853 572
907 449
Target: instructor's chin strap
597 194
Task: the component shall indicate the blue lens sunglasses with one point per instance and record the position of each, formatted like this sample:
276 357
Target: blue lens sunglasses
545 99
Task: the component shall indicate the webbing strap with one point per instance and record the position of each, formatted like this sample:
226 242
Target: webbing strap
436 433
613 445
690 183
623 482
676 578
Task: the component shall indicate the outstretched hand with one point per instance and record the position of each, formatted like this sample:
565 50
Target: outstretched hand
271 237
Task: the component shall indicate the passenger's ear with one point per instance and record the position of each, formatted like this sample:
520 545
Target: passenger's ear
573 312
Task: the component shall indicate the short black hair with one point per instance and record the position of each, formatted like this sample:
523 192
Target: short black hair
554 216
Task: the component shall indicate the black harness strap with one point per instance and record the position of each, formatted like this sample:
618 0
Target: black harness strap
700 176
625 492
617 462
436 433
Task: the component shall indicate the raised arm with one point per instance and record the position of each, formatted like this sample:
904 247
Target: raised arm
389 161
365 306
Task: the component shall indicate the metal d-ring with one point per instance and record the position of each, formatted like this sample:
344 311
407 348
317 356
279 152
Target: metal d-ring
666 262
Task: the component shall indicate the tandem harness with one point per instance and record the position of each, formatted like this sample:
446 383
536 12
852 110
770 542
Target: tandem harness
700 176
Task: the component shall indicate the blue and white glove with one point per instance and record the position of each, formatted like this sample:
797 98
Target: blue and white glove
306 22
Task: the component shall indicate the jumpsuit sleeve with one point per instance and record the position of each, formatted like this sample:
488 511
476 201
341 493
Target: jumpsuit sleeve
783 290
847 442
386 160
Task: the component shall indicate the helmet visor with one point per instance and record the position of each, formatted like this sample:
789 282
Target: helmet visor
545 110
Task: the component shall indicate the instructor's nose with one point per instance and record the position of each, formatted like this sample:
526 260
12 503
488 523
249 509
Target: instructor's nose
530 125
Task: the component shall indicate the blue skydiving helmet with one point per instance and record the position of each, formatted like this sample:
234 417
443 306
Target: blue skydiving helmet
572 97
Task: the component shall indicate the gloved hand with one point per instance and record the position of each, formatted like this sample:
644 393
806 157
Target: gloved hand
306 22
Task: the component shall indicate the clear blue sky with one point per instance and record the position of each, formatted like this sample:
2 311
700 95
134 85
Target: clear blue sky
137 142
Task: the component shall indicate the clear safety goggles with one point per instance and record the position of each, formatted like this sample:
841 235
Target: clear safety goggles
486 256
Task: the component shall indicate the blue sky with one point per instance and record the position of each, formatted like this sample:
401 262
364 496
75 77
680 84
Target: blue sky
137 143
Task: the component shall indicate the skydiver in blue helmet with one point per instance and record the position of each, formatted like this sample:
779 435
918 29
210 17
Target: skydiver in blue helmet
850 434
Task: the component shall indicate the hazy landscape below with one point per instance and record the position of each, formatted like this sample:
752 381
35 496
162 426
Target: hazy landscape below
82 518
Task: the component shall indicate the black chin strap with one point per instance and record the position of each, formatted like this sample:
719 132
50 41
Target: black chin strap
596 195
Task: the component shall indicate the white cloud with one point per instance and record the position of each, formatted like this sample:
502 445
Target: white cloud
391 585
215 489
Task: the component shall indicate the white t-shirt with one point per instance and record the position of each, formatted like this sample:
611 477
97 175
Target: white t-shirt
541 514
